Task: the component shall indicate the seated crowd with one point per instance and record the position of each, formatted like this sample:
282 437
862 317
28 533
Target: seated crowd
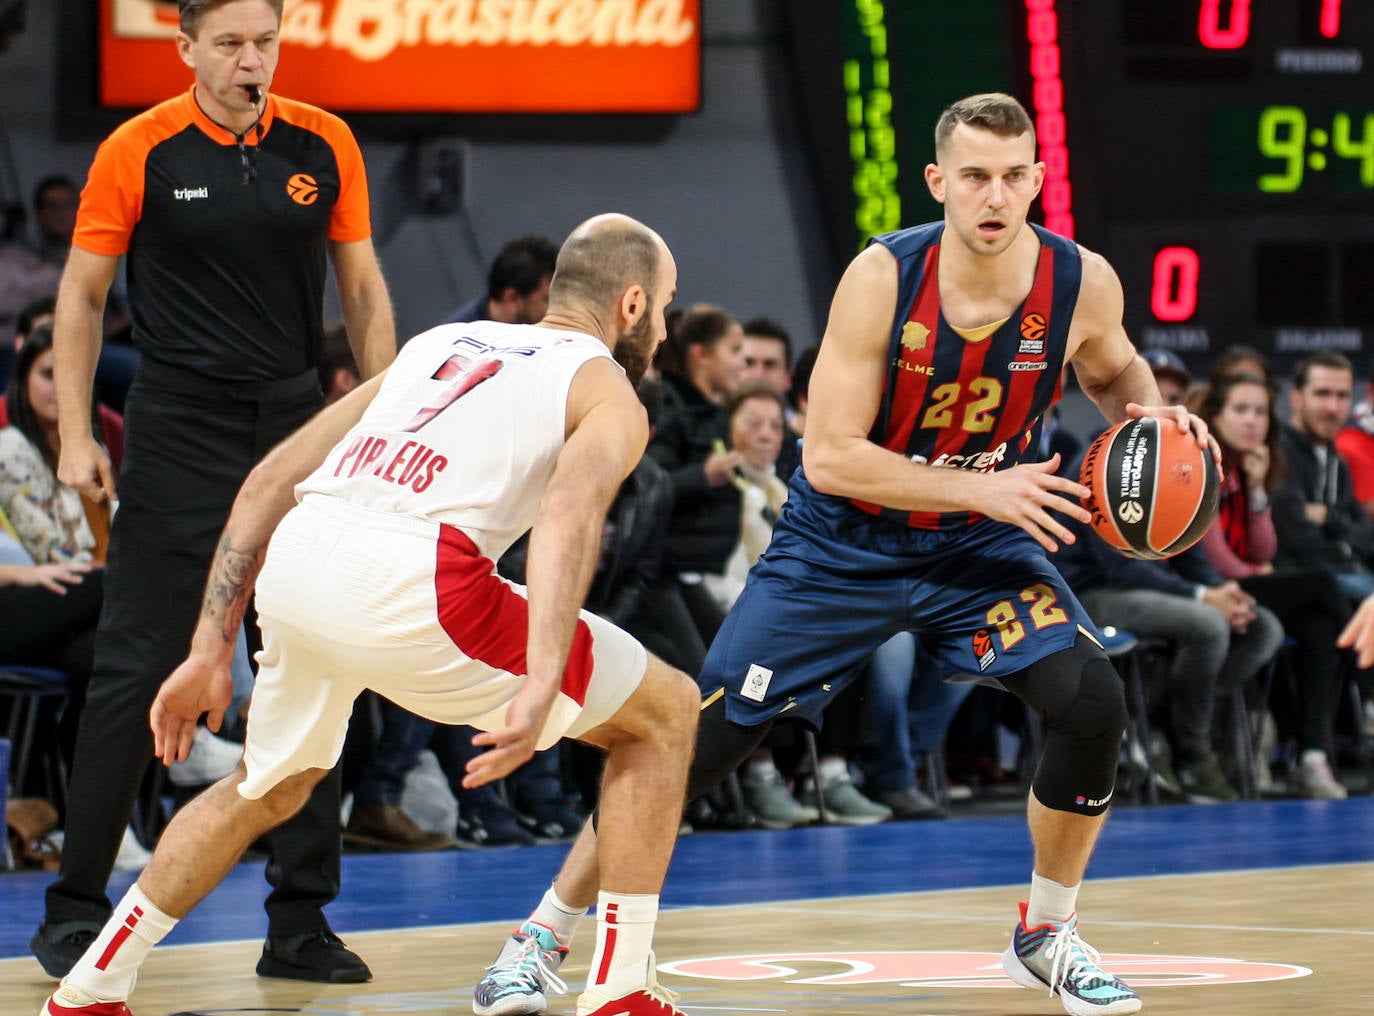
1250 614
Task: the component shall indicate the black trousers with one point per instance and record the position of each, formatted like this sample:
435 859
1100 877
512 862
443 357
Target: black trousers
46 629
1312 610
188 447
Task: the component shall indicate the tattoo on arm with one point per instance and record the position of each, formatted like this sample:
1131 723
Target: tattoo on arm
232 575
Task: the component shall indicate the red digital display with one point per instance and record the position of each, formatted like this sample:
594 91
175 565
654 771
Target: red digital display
1173 295
1331 19
1051 128
1230 33
1225 24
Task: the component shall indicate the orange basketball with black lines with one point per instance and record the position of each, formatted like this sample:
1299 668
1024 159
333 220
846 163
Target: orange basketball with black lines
1153 491
303 189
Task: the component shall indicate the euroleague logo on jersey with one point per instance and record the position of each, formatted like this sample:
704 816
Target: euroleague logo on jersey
949 969
1032 344
1033 327
303 189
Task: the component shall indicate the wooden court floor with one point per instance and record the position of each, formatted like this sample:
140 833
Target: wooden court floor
1297 937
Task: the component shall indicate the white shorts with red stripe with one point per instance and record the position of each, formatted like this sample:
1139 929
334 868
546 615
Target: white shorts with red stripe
353 599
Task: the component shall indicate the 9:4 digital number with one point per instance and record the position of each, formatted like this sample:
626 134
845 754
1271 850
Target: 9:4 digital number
1284 134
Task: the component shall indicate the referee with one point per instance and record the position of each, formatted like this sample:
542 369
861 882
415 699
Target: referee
227 202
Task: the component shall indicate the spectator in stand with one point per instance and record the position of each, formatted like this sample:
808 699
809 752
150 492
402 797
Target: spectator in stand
40 312
1355 442
1235 359
756 410
1171 375
35 312
699 375
55 539
1241 545
1317 516
517 284
53 521
55 201
767 356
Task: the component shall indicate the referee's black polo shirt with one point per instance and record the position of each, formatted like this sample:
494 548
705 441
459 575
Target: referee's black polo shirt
226 278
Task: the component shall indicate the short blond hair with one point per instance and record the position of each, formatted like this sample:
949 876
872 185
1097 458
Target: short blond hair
990 111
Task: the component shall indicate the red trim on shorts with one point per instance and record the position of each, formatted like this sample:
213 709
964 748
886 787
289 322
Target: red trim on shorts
120 937
603 972
489 621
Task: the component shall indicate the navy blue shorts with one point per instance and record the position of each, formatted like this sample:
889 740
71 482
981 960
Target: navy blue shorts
836 583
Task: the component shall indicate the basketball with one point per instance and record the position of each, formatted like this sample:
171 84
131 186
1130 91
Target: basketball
1152 491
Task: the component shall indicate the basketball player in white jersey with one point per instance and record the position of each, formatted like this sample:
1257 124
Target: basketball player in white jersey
382 577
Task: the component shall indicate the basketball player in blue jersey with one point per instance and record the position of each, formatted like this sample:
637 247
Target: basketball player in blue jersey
914 510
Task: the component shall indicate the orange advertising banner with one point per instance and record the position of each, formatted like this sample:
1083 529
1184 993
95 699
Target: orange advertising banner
440 56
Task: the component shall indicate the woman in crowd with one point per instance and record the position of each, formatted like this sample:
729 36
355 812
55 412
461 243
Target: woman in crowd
50 586
1241 545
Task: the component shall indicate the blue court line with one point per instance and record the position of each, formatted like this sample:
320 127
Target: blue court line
384 891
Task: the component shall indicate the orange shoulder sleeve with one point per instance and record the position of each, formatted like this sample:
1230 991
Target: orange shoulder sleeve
112 200
352 216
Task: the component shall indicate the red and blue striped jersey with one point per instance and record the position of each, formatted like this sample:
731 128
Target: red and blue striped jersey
956 403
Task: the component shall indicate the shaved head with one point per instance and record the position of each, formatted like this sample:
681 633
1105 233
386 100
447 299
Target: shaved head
602 258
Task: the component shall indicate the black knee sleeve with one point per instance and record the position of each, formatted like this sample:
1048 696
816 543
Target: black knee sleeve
721 747
1079 695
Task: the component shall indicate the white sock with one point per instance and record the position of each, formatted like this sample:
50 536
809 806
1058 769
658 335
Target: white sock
624 933
1050 901
1313 756
557 916
108 968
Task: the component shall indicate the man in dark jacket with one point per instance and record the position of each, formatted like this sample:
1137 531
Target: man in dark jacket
1316 515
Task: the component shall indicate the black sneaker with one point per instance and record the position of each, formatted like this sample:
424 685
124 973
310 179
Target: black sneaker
59 946
560 818
909 802
313 956
502 828
1204 783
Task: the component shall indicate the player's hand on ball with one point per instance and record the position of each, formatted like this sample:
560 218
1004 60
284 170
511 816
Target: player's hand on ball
1025 494
1186 422
194 688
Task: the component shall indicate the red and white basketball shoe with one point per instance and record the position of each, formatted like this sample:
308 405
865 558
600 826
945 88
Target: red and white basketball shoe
651 1000
67 1001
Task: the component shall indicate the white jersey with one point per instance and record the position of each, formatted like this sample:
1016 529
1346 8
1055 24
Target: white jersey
464 431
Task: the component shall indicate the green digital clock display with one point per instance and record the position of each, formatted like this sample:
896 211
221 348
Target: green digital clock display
1291 149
